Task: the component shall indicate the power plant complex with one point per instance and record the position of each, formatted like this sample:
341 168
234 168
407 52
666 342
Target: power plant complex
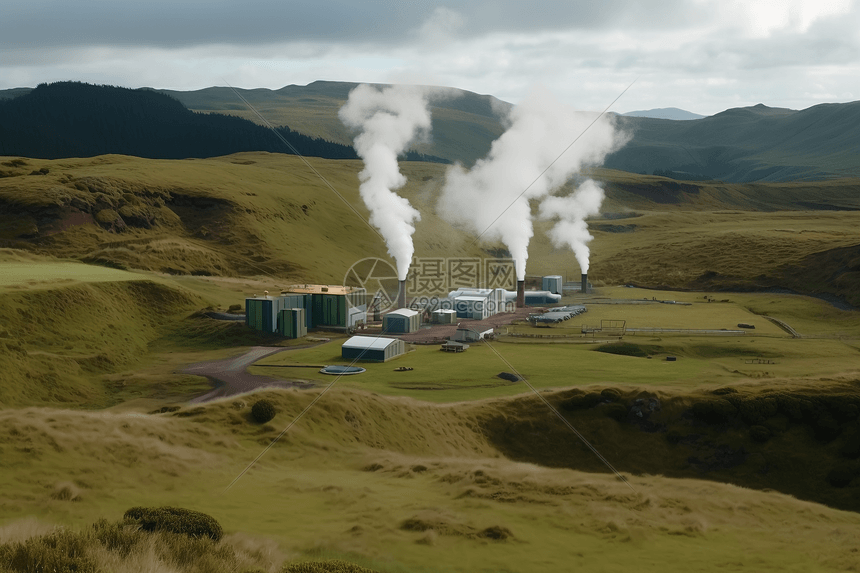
299 309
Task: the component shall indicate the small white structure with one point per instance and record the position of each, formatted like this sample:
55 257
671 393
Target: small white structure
470 335
444 316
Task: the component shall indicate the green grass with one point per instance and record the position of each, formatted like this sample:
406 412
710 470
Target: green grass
492 455
314 494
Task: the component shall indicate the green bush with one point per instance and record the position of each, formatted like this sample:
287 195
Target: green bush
610 395
58 552
175 520
623 349
581 401
674 436
826 428
329 566
717 411
724 391
760 433
263 411
840 476
616 411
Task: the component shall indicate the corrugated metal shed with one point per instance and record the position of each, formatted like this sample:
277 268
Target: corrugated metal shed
372 348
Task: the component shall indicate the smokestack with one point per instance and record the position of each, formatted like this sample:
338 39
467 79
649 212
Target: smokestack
584 287
521 294
401 295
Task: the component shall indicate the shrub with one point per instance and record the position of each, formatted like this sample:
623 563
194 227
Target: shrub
623 349
616 411
60 552
757 410
851 447
329 566
724 391
175 520
840 476
263 411
716 411
581 401
610 395
826 428
759 433
674 436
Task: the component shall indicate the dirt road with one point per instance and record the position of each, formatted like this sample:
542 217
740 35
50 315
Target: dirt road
230 376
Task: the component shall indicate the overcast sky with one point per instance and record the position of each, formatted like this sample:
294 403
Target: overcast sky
700 55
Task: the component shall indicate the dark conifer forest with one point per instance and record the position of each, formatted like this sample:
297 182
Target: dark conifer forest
73 119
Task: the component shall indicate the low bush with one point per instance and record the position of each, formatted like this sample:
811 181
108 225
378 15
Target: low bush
623 349
760 433
717 411
175 520
58 552
616 411
610 395
263 411
581 401
329 566
840 476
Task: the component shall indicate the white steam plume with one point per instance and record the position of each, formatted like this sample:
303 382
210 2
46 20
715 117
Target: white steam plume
389 119
571 229
540 129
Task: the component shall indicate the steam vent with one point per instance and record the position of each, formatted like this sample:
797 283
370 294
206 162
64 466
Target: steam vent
583 288
521 294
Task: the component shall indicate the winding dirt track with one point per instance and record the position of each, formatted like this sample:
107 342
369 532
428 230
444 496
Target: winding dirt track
230 376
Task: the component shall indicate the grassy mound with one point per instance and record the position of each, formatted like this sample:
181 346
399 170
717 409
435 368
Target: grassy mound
56 341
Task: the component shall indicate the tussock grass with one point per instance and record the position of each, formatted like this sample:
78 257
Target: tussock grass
358 467
125 548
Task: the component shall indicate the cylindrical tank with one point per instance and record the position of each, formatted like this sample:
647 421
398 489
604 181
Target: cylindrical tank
584 286
521 294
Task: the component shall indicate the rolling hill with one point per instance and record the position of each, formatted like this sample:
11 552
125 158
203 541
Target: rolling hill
739 145
749 144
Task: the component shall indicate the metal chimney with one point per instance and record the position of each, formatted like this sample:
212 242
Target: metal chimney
521 294
401 295
583 288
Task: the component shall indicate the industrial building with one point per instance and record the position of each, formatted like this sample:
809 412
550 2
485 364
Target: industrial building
444 316
477 303
534 297
401 321
372 348
292 323
335 306
552 283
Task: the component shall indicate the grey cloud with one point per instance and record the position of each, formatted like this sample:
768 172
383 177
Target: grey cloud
164 23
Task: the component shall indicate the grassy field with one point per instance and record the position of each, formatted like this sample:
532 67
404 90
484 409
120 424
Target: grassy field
445 467
402 486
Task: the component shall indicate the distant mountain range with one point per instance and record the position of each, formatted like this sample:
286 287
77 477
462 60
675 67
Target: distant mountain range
739 145
664 113
756 143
